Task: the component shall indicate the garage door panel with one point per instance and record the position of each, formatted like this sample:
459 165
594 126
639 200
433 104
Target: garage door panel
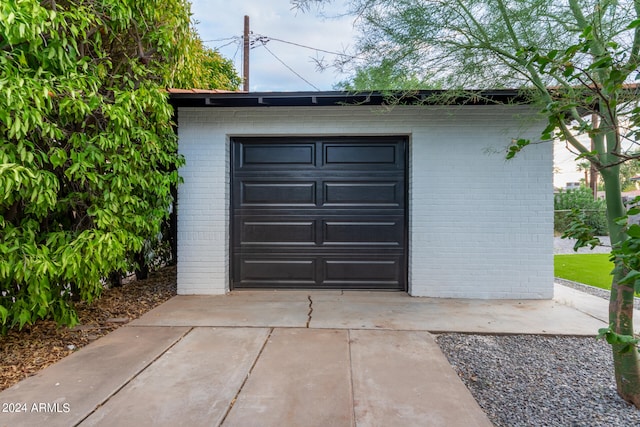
277 194
269 155
388 194
372 271
321 231
358 232
285 271
360 154
278 233
256 269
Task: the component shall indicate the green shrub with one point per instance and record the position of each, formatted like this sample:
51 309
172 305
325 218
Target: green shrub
88 154
593 211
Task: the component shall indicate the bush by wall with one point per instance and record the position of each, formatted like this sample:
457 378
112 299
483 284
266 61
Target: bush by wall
593 211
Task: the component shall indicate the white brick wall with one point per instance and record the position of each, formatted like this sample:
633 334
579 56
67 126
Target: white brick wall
479 226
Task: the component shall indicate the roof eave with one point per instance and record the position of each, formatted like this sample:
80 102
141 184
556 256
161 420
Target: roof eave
195 98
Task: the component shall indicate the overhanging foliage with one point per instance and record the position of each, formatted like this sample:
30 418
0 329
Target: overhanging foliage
88 154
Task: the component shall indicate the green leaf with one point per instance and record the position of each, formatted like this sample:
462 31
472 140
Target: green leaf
58 157
634 24
588 30
4 314
568 70
587 155
603 332
625 342
633 211
631 277
621 221
634 230
601 63
24 317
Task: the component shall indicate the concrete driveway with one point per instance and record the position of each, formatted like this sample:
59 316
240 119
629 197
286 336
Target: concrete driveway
278 358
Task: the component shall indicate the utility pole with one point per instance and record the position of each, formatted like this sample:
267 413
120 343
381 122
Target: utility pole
245 64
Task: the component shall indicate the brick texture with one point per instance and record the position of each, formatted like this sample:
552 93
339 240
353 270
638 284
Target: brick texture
479 226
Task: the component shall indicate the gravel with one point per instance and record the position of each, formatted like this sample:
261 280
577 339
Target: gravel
532 380
529 380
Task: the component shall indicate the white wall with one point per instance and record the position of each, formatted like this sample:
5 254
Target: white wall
480 226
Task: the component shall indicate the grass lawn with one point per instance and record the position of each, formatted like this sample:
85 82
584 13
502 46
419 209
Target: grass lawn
590 269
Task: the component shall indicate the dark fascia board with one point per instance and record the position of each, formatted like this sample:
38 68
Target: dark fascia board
338 98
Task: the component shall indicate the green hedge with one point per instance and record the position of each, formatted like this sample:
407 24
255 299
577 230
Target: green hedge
593 211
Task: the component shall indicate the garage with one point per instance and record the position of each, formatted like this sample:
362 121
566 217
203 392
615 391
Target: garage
359 191
319 213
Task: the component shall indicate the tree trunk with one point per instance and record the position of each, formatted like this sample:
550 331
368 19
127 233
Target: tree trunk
593 180
593 171
142 268
626 365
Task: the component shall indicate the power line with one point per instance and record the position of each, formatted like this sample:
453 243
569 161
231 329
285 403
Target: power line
290 69
227 44
220 40
237 50
264 39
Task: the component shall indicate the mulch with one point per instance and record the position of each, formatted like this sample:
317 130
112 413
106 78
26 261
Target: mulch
25 352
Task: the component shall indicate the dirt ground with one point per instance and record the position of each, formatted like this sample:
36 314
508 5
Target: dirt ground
24 353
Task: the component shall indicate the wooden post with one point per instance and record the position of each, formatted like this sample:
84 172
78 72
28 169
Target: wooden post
245 68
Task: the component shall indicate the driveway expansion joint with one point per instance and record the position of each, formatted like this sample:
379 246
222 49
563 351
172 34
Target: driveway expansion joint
246 378
140 370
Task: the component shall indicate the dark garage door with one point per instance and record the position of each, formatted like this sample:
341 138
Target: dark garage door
319 213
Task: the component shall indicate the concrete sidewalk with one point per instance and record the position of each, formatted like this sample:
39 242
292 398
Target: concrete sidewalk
285 359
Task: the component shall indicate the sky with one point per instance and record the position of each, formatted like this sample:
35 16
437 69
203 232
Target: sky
565 164
293 68
221 23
